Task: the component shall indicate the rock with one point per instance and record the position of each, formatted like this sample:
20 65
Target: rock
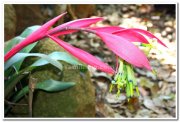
78 101
28 15
9 21
58 9
81 10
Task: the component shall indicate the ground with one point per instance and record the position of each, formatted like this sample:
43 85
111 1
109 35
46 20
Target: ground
157 92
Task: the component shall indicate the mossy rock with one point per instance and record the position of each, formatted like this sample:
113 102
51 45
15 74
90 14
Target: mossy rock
28 15
9 21
78 101
78 10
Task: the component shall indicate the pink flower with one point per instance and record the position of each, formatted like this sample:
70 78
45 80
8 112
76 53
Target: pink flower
118 40
83 56
125 49
131 34
43 31
146 33
35 36
85 22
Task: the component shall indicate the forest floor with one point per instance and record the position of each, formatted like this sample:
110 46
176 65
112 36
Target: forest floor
157 92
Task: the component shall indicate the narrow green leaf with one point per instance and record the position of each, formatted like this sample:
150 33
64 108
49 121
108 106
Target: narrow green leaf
129 73
53 85
20 56
11 43
47 85
121 65
128 94
29 30
63 56
131 88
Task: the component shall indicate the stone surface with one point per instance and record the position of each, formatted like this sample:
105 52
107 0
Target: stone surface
58 9
28 15
9 21
78 101
81 10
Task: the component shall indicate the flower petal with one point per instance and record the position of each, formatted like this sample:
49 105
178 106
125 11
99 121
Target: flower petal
120 31
125 33
108 29
131 36
76 23
84 56
125 49
35 36
150 35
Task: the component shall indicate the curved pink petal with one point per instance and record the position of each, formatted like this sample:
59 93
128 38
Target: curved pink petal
35 36
150 35
125 49
76 23
108 29
125 33
84 56
131 36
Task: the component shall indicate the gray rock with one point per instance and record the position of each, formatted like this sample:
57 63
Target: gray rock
9 21
78 101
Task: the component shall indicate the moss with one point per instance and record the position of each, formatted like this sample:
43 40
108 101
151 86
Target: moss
78 101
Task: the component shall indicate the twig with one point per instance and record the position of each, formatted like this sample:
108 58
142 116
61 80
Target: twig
69 7
11 103
32 84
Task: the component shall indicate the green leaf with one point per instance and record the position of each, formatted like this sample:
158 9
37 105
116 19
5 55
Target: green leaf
47 85
63 56
29 30
53 85
20 56
11 43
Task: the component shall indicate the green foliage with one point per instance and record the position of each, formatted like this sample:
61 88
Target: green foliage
13 77
11 43
63 56
19 56
47 85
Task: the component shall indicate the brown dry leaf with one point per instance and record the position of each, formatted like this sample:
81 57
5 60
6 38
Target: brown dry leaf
133 104
143 113
105 110
113 99
148 103
144 82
